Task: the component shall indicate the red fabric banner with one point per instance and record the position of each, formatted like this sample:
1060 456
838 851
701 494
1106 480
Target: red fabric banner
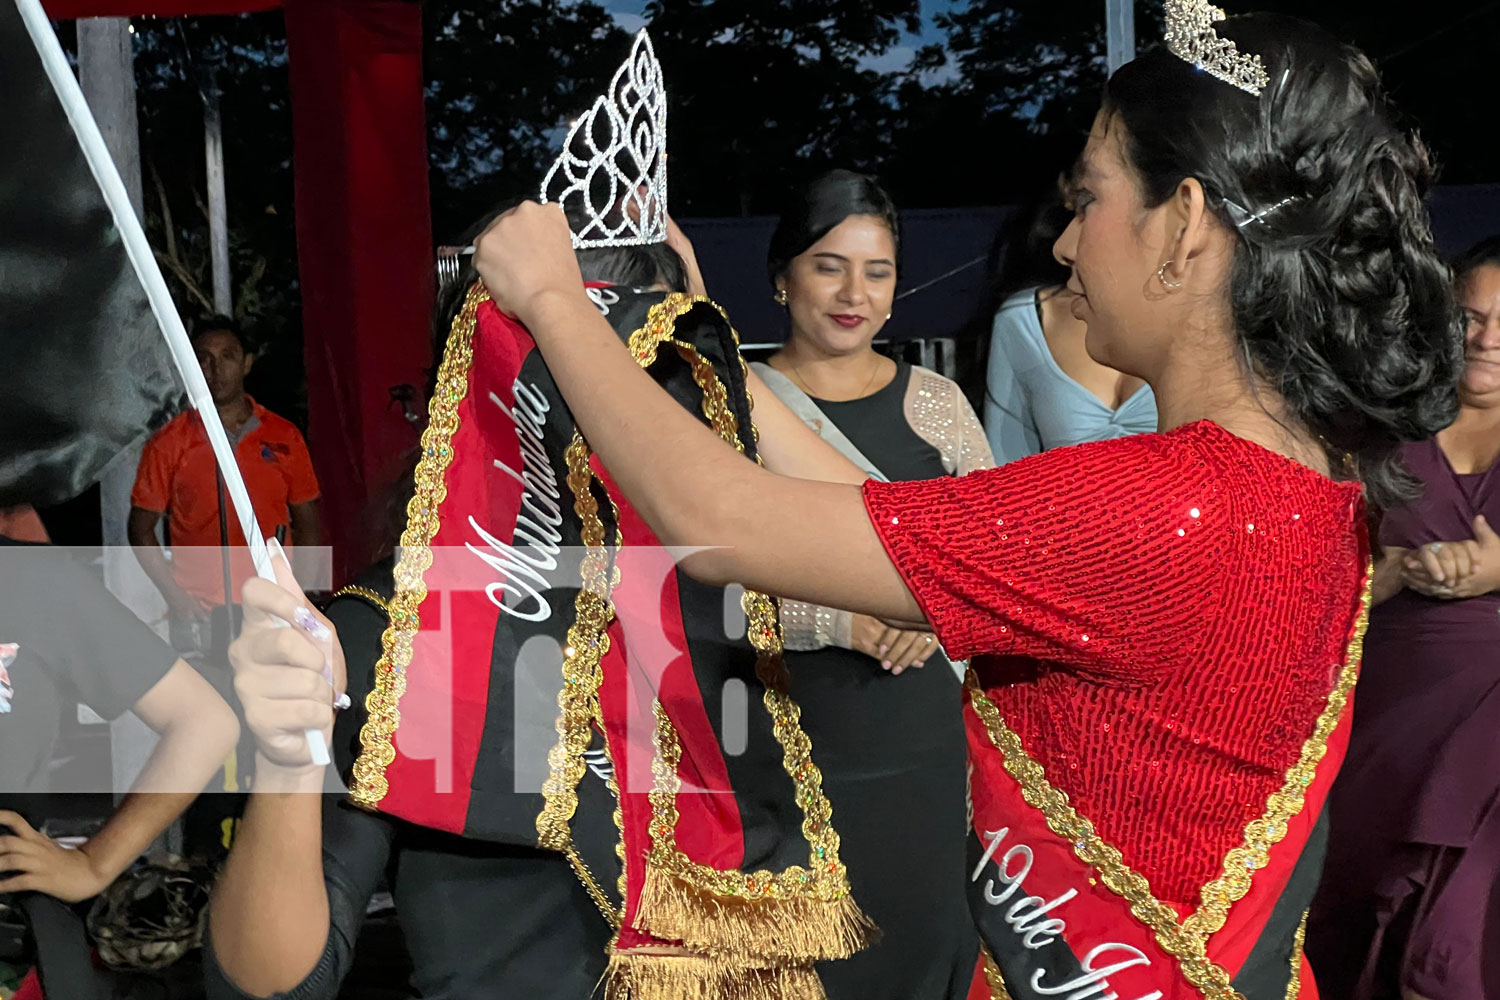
364 236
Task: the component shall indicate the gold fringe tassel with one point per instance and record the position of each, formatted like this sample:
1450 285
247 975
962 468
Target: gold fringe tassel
773 929
645 975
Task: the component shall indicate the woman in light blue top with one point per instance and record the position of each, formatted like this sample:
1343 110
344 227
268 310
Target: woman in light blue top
1032 403
1042 388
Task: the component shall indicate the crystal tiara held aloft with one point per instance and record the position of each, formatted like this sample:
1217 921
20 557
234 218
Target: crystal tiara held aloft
1191 37
611 176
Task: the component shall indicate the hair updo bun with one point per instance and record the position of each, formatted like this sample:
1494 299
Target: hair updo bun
1339 296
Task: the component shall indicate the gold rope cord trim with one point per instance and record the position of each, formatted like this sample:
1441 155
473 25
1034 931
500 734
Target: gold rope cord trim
383 703
1187 941
1294 985
613 784
992 975
622 884
668 974
799 913
578 696
365 594
771 917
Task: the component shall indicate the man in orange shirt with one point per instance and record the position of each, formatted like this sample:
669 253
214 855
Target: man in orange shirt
178 479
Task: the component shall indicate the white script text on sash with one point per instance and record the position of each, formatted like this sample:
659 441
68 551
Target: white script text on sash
522 570
1024 919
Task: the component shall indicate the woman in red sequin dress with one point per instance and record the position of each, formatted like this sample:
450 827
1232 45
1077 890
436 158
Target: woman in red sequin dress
1163 629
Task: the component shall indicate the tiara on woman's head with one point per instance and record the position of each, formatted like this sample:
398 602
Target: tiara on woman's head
1191 37
612 171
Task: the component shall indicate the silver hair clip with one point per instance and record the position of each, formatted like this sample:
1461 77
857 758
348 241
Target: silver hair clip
1243 218
450 264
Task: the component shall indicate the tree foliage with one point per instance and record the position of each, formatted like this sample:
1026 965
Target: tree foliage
761 95
177 60
504 78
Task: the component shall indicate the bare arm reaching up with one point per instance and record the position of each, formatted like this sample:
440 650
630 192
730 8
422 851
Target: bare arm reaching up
807 540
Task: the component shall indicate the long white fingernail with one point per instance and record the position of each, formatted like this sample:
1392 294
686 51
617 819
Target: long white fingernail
317 747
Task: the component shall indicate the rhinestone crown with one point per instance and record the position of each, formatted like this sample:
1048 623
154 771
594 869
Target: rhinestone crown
612 172
1191 37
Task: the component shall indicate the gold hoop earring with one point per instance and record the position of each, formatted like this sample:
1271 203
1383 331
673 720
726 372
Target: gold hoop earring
1161 275
780 297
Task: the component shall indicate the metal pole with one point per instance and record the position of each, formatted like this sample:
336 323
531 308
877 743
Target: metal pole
218 214
1119 30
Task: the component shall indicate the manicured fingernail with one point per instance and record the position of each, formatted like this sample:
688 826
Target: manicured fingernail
885 664
309 623
883 649
342 702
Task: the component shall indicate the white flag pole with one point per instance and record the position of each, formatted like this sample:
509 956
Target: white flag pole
139 251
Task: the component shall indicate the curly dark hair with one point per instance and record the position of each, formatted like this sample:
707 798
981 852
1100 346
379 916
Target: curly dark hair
1340 299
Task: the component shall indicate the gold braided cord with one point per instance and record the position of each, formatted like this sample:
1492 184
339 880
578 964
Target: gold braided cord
1187 940
819 932
814 917
833 928
578 697
366 594
587 644
383 704
623 883
1294 984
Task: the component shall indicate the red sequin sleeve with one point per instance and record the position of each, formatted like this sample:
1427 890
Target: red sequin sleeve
1091 557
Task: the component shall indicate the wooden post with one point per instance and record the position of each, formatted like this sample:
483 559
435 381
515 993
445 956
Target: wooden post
1119 30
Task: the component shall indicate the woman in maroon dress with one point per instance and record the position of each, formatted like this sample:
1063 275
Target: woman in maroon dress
1164 628
1410 904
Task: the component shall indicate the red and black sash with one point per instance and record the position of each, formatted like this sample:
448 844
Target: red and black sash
1063 917
549 677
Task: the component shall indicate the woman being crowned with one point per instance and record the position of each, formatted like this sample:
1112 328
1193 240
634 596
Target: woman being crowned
577 762
1164 630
